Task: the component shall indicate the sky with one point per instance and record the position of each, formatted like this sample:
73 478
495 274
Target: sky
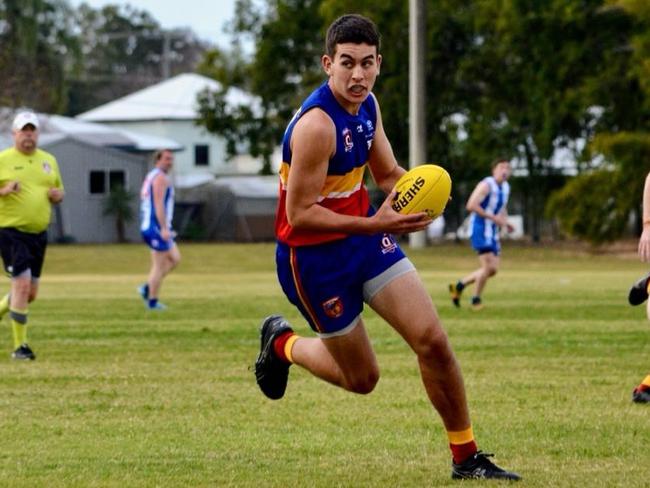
205 17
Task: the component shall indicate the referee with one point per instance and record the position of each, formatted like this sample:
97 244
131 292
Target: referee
30 183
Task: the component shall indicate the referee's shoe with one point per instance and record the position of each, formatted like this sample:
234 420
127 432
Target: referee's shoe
23 352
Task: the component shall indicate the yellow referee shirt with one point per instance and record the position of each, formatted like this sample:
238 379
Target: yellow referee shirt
29 209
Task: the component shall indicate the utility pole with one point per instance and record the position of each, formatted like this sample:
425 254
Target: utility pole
417 97
166 58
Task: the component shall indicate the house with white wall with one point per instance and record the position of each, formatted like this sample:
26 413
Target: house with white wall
170 109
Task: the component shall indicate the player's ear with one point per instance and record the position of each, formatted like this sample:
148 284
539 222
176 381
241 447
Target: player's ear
378 63
326 63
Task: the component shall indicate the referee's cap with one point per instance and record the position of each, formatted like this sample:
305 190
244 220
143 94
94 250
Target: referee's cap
24 118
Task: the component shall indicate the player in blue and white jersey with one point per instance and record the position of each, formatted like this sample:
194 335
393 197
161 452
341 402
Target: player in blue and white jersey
156 213
488 204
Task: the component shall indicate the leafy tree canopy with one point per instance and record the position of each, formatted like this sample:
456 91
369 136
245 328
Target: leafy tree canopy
504 78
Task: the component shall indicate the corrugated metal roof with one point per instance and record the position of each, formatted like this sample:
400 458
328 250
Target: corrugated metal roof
243 186
104 135
173 99
54 127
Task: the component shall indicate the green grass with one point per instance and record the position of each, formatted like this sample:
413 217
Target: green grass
121 397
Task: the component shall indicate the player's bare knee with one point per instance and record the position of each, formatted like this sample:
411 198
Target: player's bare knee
432 345
363 384
489 271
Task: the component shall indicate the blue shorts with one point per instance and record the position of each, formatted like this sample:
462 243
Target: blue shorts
484 246
155 242
329 282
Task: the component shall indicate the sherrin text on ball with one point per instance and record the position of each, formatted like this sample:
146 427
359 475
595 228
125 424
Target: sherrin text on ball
425 188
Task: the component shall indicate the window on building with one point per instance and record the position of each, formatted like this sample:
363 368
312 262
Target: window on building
97 182
201 155
103 181
116 178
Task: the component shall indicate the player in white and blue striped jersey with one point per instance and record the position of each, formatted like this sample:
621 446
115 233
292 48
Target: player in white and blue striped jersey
156 213
487 205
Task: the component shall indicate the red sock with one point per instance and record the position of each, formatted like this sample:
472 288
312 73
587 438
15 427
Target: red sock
460 452
279 343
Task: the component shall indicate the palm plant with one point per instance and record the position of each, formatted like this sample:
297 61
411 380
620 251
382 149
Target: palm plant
118 204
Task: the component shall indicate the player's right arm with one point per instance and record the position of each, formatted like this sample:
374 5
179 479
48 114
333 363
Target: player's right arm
474 201
474 204
159 187
644 241
313 143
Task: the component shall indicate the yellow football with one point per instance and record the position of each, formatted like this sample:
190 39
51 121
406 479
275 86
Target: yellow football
425 188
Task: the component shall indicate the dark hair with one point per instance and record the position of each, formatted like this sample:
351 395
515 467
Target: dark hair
496 162
353 28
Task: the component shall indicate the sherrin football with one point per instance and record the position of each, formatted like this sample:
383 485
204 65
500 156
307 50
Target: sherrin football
425 188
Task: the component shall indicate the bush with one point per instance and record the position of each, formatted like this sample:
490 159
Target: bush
590 207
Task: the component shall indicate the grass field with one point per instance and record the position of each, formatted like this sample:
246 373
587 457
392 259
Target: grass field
122 397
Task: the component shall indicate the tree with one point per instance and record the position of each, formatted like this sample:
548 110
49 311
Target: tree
283 31
124 50
530 81
590 207
37 50
511 78
622 141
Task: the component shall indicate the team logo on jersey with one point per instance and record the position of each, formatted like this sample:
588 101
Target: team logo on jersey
369 125
347 139
388 244
46 167
333 307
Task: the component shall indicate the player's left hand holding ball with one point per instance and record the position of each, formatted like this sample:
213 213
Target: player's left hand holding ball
392 222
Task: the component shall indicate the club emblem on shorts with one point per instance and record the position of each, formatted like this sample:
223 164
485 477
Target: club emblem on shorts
347 139
388 244
46 167
333 307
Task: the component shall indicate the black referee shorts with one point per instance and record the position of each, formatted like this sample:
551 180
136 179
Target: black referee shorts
22 251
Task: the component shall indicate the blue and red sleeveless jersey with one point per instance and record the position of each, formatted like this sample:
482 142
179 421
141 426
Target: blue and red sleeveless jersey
344 191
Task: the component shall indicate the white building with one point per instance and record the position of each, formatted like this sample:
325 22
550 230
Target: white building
169 109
